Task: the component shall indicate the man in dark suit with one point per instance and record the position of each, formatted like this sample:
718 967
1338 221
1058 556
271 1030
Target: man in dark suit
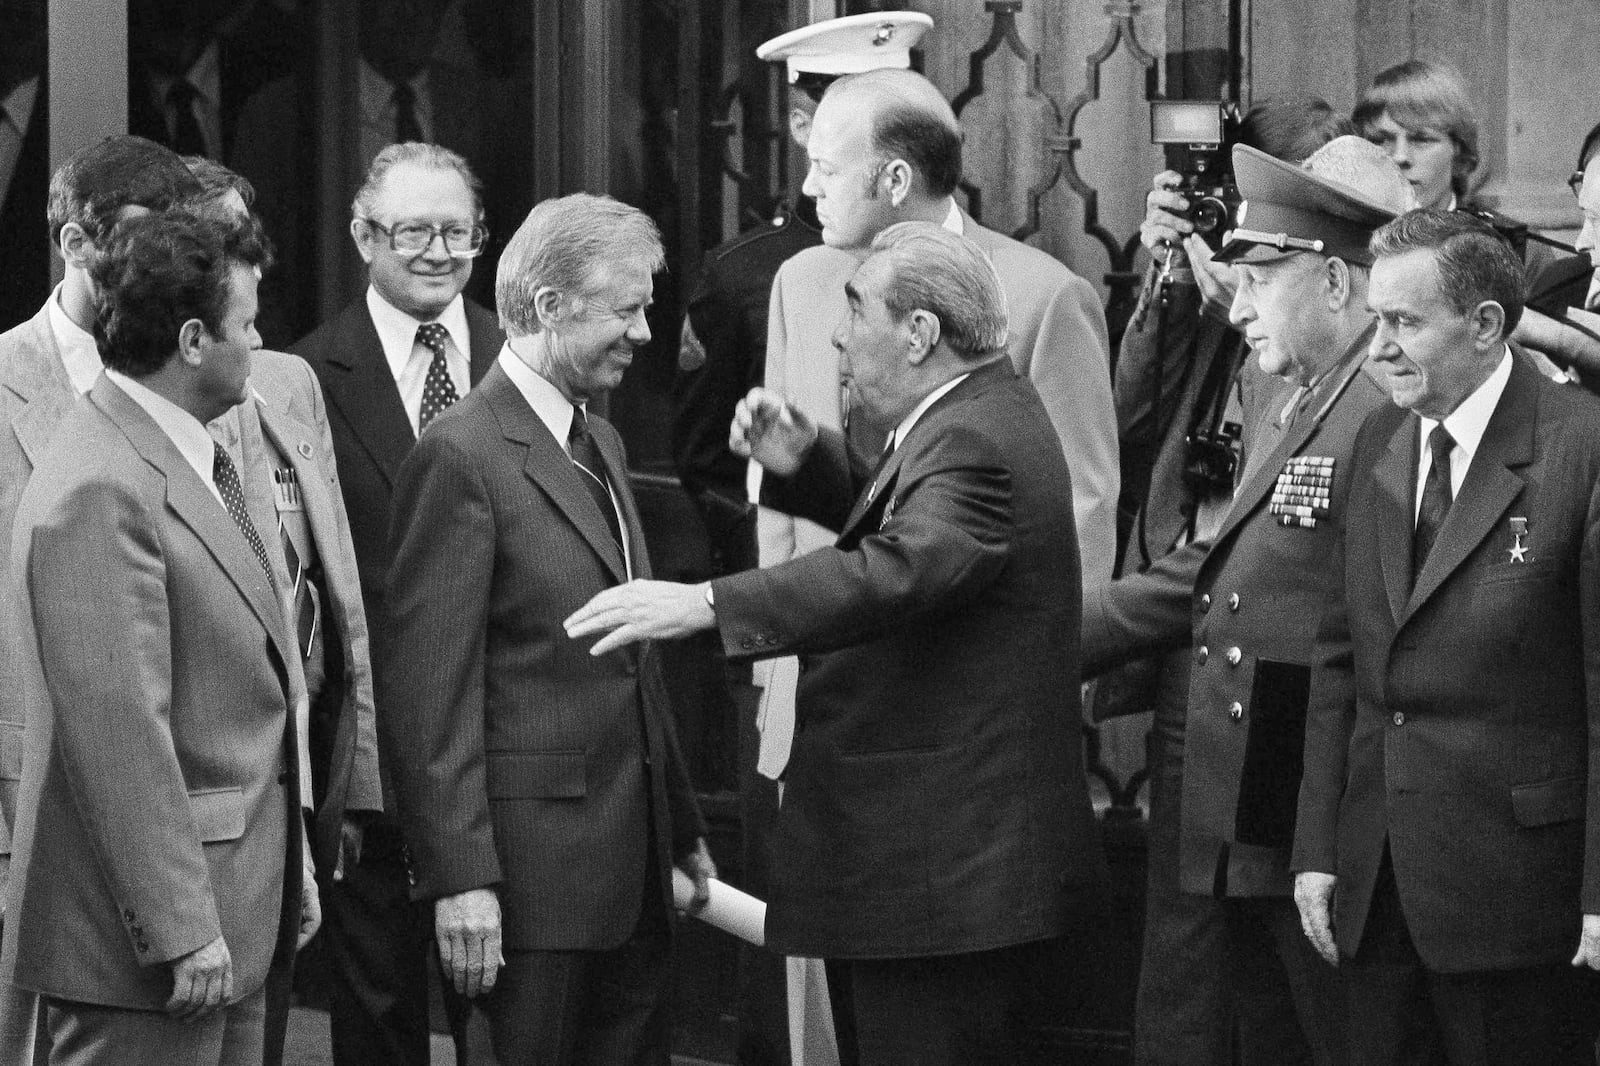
160 863
542 791
1447 851
388 364
24 161
936 832
1247 598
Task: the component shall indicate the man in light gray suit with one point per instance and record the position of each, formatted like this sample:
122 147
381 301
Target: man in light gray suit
160 858
45 364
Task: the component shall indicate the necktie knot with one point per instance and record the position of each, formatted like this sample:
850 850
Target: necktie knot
432 336
1441 444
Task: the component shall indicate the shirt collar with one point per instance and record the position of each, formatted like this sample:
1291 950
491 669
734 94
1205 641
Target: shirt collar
898 437
547 401
953 220
187 433
1466 424
79 353
397 331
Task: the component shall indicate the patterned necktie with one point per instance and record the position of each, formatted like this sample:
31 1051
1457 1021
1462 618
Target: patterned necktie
592 471
187 139
1436 499
226 475
438 391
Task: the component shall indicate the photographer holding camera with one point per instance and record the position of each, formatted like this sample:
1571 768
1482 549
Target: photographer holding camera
1220 952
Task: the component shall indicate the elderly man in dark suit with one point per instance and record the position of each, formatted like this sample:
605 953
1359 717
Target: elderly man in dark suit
160 862
1447 849
388 364
936 832
542 791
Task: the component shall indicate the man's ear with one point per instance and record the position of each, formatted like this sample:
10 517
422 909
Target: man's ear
75 246
547 305
364 235
897 176
800 125
924 329
190 337
1488 324
1340 286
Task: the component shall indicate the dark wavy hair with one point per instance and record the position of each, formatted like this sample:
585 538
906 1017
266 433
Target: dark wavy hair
1475 263
93 186
158 272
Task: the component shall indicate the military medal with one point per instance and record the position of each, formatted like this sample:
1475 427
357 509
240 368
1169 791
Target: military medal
1302 495
1519 550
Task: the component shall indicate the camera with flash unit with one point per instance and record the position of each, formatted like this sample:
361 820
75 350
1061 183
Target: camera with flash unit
1197 135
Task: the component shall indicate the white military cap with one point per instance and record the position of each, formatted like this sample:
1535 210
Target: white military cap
849 45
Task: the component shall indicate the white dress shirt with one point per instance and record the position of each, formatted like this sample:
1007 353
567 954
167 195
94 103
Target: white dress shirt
408 360
188 433
1465 425
79 352
555 411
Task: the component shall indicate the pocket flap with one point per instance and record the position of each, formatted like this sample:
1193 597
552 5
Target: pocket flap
10 751
1548 802
536 774
218 813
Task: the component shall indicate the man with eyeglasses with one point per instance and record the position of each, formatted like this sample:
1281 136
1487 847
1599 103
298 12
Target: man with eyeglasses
389 364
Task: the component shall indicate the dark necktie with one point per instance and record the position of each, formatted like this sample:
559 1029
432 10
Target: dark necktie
592 471
226 475
406 126
438 391
1436 499
877 472
186 136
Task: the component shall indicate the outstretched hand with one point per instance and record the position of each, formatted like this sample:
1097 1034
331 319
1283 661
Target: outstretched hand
642 610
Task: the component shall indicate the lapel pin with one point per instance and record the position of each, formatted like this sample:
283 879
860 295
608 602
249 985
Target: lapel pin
1519 550
304 450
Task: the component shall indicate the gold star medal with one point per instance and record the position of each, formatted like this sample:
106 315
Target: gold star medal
1519 550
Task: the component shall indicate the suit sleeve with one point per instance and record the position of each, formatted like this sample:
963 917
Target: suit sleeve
946 541
432 669
1070 366
1330 718
1142 613
104 636
1153 363
366 791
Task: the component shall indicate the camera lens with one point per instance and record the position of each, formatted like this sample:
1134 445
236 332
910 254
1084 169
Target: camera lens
1209 215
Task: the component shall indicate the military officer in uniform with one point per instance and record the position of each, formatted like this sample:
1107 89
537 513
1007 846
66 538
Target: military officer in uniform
1249 598
721 357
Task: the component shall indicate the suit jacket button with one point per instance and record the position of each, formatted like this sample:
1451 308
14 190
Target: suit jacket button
1235 656
1201 654
1399 718
1205 602
1236 710
1233 602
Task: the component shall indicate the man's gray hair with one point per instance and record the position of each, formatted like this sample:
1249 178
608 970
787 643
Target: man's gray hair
429 156
945 274
561 244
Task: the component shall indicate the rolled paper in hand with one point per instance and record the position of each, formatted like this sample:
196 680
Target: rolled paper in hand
728 909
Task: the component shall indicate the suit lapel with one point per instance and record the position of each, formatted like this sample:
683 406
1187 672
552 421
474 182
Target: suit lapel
546 465
364 389
1393 492
632 526
193 503
484 338
36 373
294 440
1491 483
